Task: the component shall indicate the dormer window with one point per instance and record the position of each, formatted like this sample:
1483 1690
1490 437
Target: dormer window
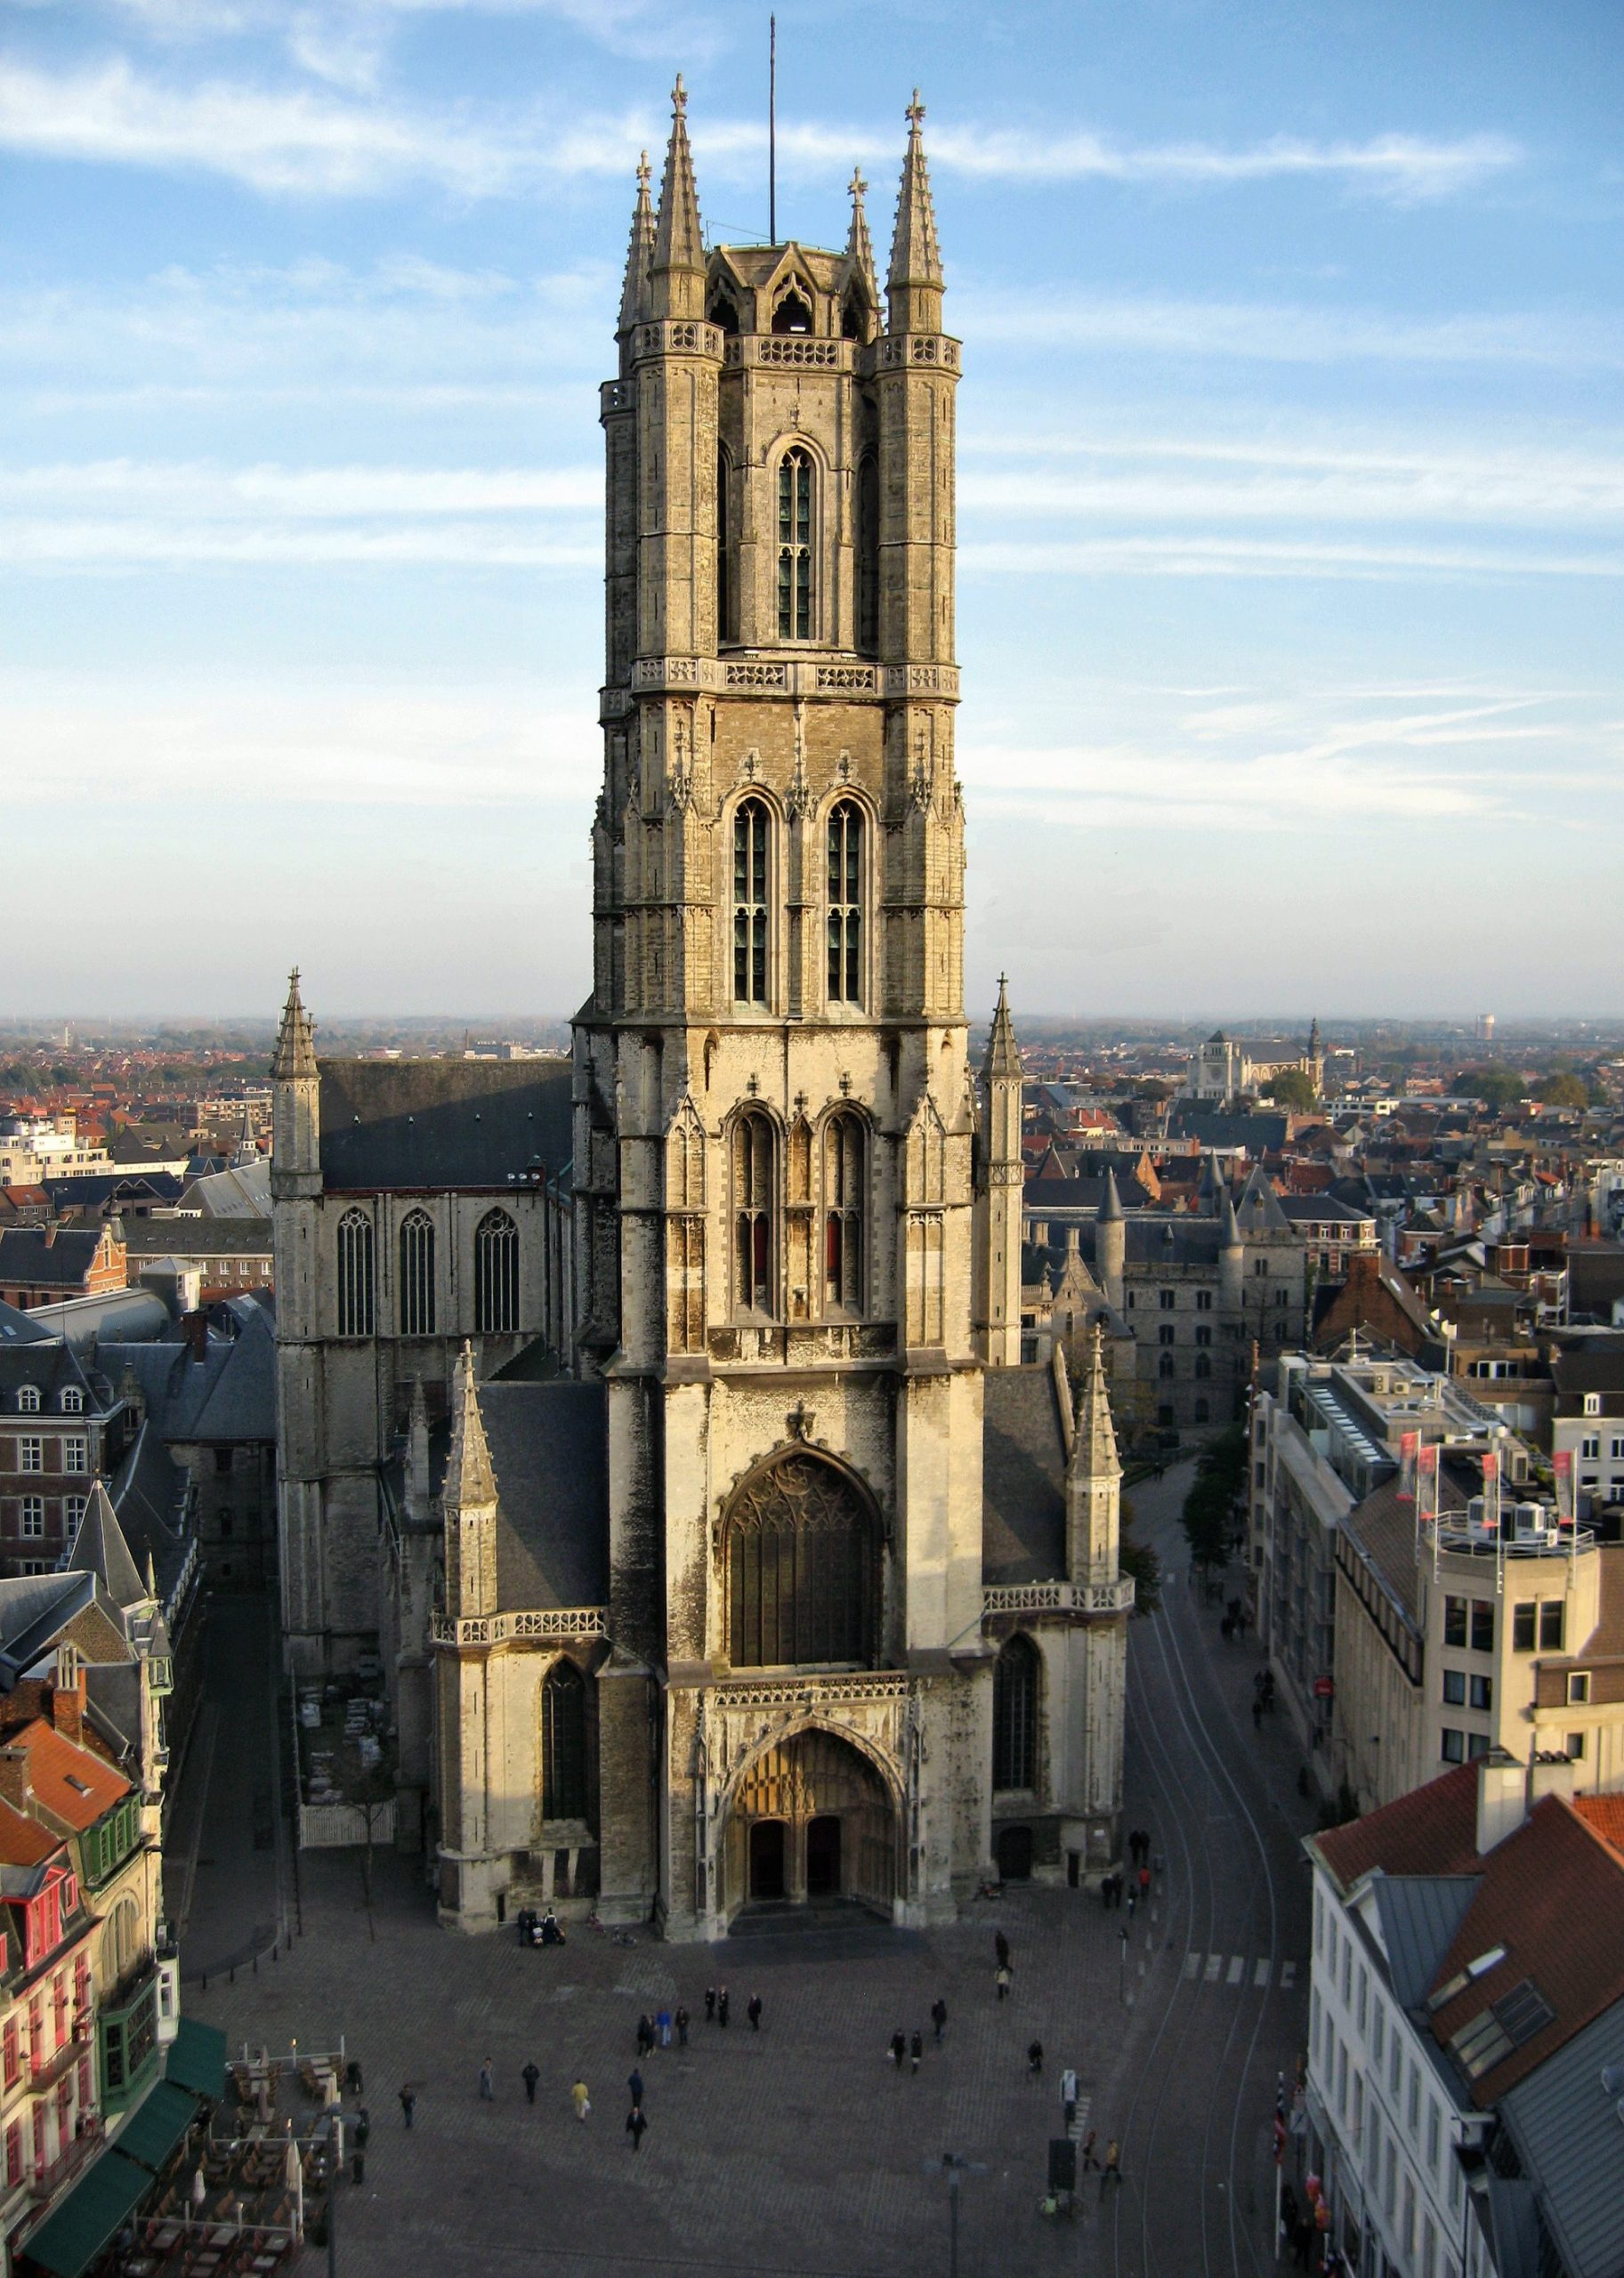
793 310
73 1402
28 1400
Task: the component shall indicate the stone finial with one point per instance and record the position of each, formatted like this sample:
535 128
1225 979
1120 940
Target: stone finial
1003 1060
860 249
295 1048
640 253
913 285
678 240
1093 1443
470 1481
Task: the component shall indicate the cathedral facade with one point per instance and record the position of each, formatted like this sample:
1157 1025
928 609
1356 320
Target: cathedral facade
735 1559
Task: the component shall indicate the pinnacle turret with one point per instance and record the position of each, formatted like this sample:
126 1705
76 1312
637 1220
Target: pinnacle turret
1003 1060
640 253
470 1481
1093 1443
913 285
860 249
295 1050
678 263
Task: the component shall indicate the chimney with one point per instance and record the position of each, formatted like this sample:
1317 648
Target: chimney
194 1329
1550 1774
16 1787
67 1694
1502 1800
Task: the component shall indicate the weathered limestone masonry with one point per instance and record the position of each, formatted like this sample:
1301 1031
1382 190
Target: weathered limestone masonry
722 1551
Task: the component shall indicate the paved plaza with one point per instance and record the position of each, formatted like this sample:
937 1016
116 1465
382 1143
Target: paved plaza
799 2150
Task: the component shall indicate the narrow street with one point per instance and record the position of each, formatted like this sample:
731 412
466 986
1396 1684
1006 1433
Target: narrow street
1217 1979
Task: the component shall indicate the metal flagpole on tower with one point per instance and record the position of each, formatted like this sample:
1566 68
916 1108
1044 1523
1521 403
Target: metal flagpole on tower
772 130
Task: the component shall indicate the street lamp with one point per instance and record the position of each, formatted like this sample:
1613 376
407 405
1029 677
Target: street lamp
954 2166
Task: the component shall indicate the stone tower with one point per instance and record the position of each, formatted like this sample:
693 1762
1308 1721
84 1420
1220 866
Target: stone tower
1094 1479
296 1193
774 1111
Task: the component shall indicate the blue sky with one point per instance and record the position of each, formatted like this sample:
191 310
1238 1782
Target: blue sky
1291 483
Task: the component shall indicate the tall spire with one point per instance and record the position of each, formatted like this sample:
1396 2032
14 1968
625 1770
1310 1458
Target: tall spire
1003 1058
913 286
860 250
640 253
1093 1443
678 263
295 1052
1110 1200
470 1481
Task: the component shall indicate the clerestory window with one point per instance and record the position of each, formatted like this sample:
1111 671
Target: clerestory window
755 1206
495 1274
416 1274
845 916
794 546
750 826
355 1274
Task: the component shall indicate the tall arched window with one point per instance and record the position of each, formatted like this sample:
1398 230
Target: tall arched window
355 1274
416 1274
1014 1715
843 1186
495 1274
845 910
794 546
1164 1367
867 556
755 1211
750 827
803 1567
563 1742
725 566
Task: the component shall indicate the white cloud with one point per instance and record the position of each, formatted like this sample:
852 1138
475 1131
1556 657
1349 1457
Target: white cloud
1227 556
319 492
300 140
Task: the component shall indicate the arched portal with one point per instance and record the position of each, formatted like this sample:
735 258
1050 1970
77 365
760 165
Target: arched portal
810 1819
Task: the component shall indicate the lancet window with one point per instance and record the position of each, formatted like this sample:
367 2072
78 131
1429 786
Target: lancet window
845 909
794 546
751 824
1014 1715
867 556
495 1274
416 1274
563 1742
803 1567
755 1211
355 1274
844 1179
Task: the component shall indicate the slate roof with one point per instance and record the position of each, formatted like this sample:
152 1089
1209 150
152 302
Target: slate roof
425 1125
1419 1916
145 1238
1594 1366
1210 1127
1383 1528
17 1327
1259 1210
1023 1477
49 1368
41 1259
100 1548
549 1448
118 1312
1565 2129
228 1396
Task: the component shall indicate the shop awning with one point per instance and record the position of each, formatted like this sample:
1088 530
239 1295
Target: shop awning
68 2241
158 2125
197 2059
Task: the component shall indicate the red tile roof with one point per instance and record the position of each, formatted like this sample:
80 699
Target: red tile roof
1605 1815
1433 1830
73 1785
23 1841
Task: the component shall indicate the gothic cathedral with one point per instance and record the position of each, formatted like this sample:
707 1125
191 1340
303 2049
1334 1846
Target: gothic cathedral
659 1421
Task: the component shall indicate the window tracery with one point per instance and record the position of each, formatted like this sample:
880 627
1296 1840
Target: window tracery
755 1211
751 824
801 1552
563 1742
496 1275
417 1274
846 914
355 1274
844 1181
1014 1715
795 545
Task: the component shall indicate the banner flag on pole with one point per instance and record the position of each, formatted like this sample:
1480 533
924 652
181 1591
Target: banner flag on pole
1562 1463
1409 1445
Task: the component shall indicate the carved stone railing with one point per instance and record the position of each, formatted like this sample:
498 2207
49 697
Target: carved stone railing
785 1691
894 350
790 351
801 676
679 337
505 1628
1060 1597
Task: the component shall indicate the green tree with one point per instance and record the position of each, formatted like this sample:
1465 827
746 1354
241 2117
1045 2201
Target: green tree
1499 1089
1293 1088
1562 1089
1211 1508
1142 1563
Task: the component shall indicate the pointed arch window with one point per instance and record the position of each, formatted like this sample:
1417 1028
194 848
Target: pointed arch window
355 1279
496 1275
751 823
416 1274
755 1211
868 555
803 1567
563 1742
794 546
1014 1716
845 908
844 1181
724 539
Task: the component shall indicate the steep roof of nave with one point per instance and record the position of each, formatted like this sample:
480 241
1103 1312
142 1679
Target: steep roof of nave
1023 1477
430 1124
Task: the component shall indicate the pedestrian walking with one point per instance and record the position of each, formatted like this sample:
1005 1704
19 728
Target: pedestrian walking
1067 2096
939 2017
662 2026
915 2049
1091 2158
1112 2172
1105 1894
582 2101
363 2128
635 2123
898 2047
645 2035
1001 1980
408 2099
529 2076
1144 1883
1133 1901
1034 2059
754 2012
710 2003
682 2028
633 2085
721 2006
488 2082
1000 1947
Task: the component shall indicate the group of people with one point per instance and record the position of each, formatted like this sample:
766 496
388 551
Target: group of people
909 2047
1135 1886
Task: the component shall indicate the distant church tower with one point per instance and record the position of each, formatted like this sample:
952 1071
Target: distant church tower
776 1117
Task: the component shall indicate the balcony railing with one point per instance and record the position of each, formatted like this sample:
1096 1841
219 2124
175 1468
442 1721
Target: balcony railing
50 2180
